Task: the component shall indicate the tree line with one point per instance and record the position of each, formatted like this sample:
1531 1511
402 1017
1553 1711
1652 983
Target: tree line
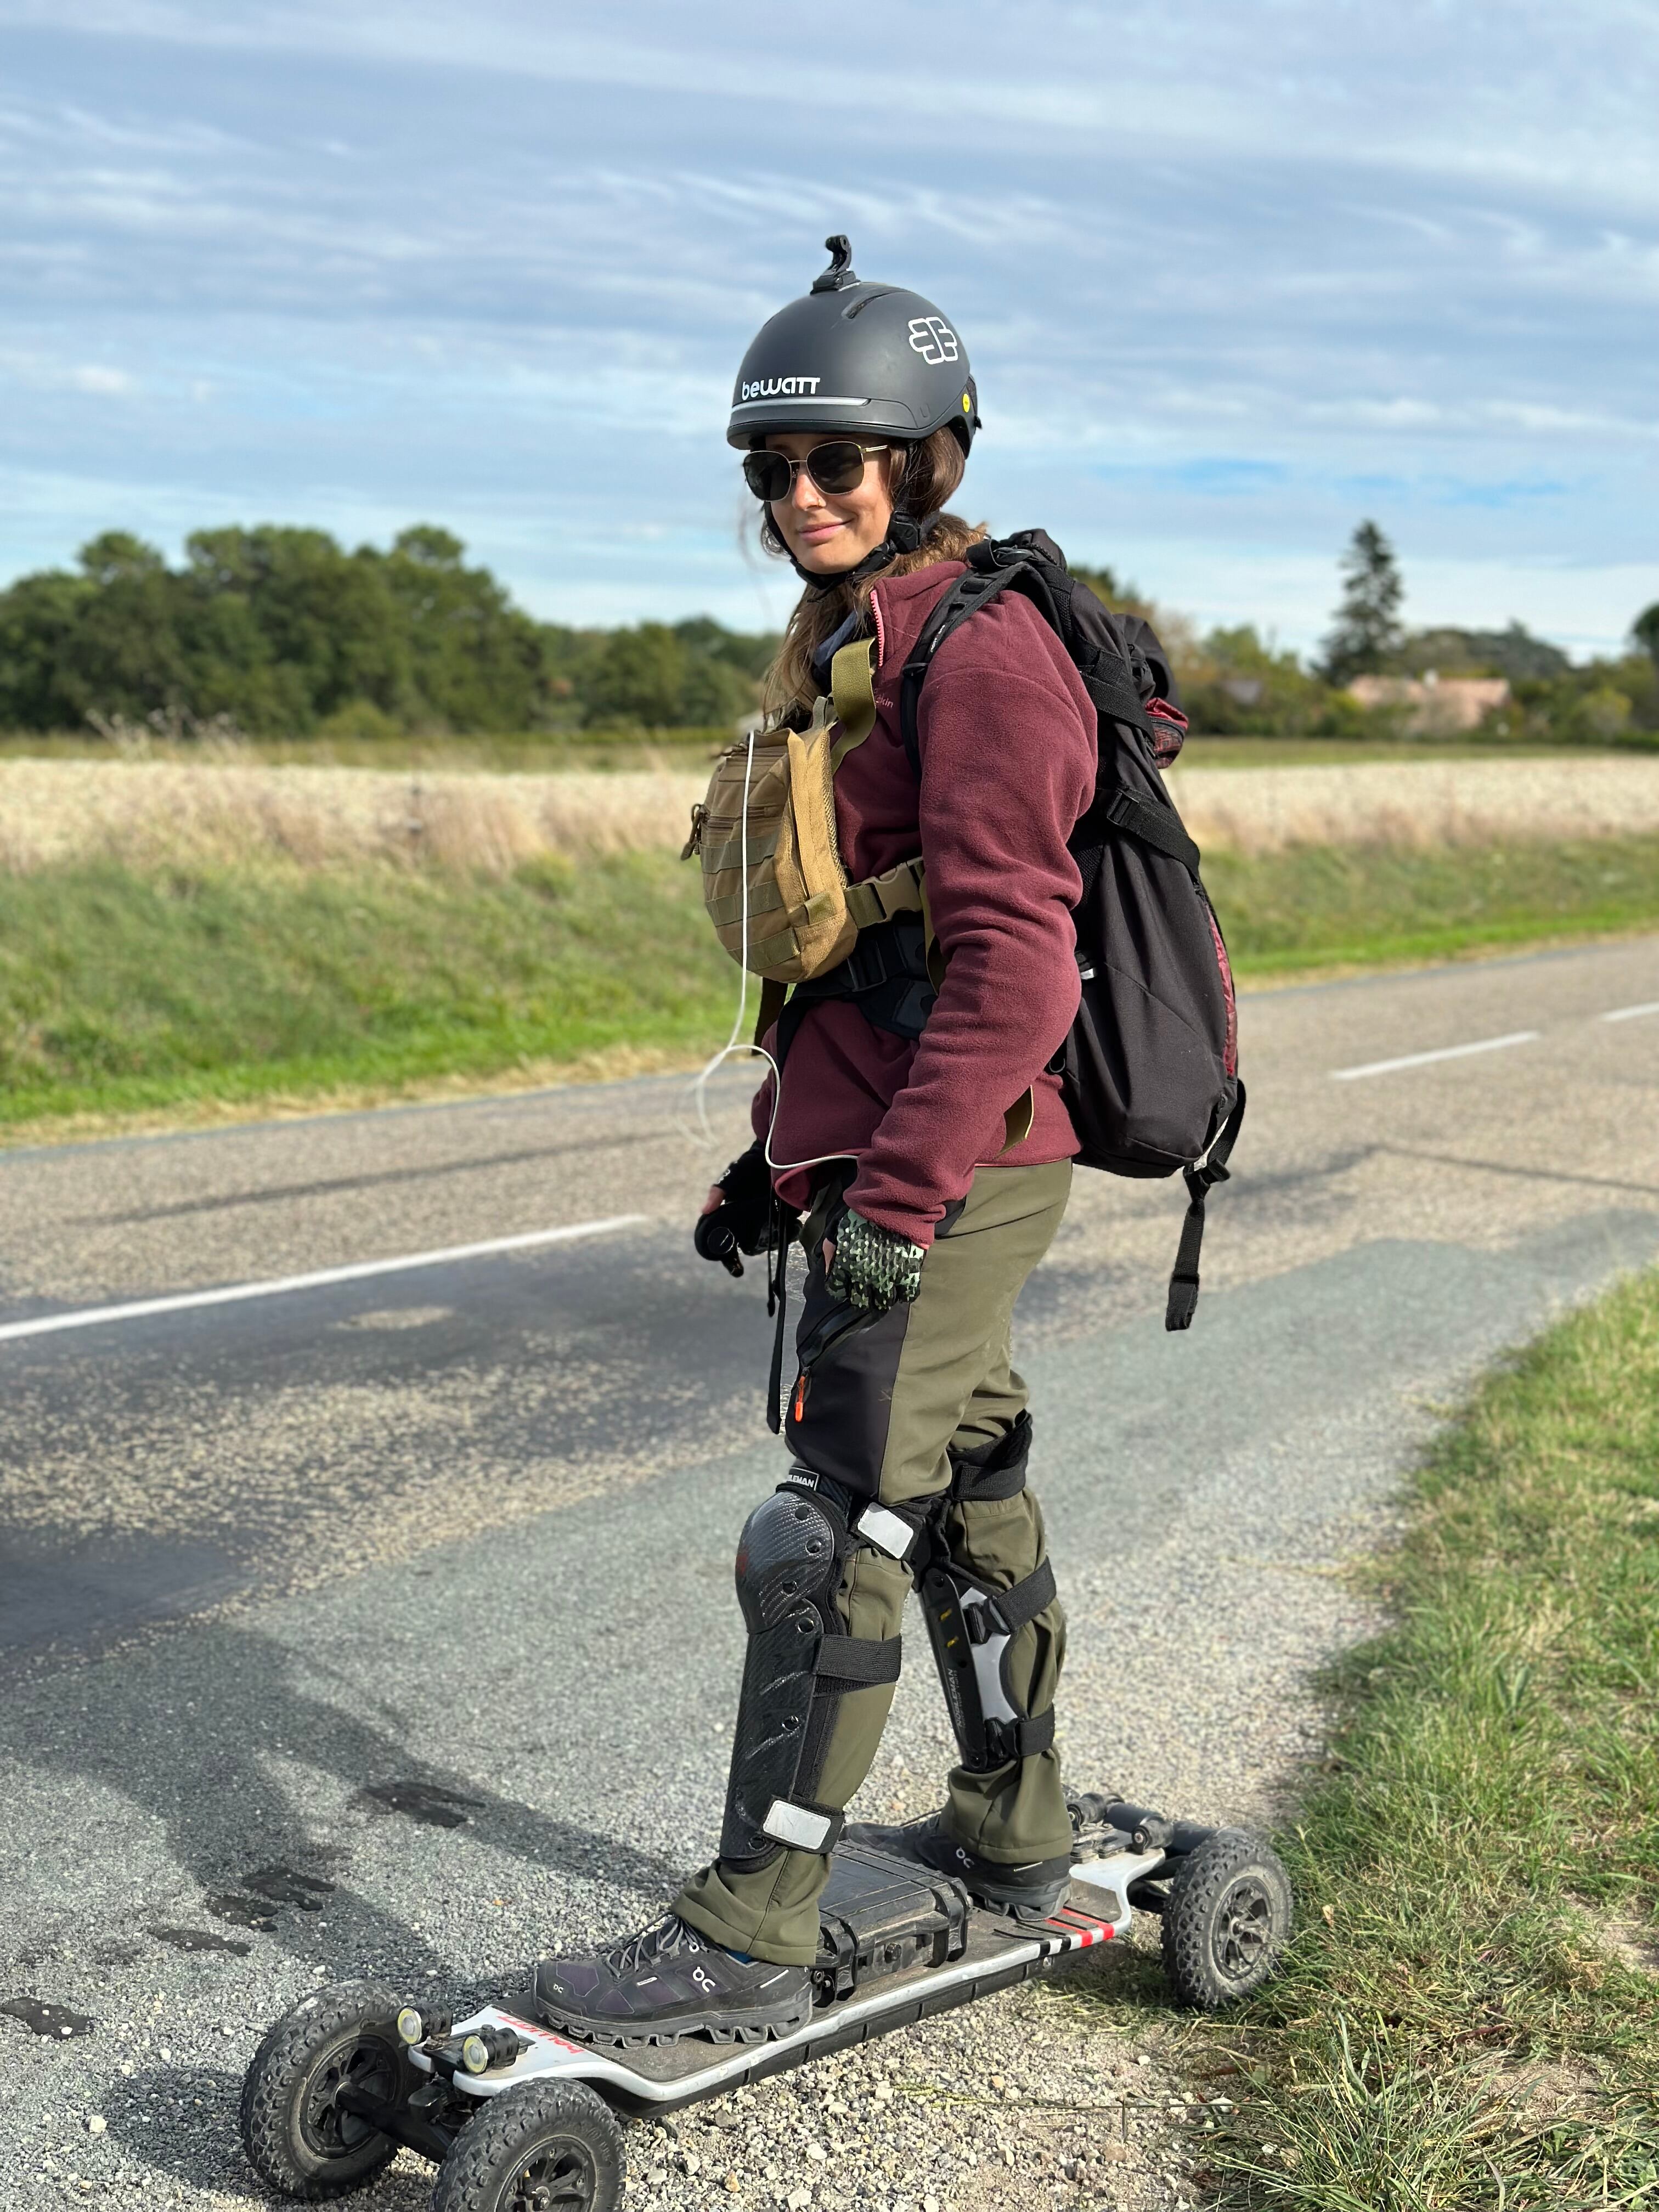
283 633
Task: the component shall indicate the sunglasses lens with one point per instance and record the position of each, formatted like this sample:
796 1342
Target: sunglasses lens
767 475
837 467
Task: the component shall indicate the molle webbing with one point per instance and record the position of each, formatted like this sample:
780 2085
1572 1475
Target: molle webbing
773 881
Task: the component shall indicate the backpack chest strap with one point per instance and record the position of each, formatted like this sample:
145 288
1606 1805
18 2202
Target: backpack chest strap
897 890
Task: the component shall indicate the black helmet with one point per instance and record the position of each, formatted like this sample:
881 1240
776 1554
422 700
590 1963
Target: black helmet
864 359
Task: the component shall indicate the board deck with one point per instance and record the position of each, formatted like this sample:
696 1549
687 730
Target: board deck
998 1953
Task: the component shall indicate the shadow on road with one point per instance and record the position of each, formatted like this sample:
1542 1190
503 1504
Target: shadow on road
205 1767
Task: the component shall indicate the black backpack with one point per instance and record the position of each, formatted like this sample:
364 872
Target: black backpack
1150 1069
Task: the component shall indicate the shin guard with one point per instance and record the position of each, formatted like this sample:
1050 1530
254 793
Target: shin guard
971 1627
799 1663
971 1624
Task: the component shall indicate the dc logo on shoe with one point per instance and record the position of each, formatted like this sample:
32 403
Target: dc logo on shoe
931 337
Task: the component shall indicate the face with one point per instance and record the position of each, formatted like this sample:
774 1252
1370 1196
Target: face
831 532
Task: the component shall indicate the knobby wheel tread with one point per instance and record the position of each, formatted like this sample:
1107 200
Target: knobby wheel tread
268 2089
1200 1884
473 2177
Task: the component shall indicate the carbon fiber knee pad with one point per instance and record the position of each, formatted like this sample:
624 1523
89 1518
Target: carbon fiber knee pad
799 1662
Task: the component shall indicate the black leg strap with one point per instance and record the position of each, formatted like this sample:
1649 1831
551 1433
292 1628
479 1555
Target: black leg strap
994 1471
856 1662
1006 1612
1021 1738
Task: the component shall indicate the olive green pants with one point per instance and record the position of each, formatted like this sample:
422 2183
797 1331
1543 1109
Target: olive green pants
881 1415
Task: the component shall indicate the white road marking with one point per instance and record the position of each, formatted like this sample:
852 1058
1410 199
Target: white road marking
1630 1013
139 1309
1423 1059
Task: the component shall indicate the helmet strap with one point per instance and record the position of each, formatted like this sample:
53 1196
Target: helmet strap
904 535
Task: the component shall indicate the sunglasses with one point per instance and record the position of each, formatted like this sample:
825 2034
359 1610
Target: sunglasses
835 468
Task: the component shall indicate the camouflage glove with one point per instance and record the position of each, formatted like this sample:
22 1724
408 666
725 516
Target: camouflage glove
872 1267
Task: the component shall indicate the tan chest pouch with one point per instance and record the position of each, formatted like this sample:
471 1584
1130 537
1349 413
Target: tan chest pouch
773 880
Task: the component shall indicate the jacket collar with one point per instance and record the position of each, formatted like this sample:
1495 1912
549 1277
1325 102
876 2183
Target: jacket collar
900 605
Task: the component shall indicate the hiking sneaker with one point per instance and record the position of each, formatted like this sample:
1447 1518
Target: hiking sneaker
666 1982
1031 1891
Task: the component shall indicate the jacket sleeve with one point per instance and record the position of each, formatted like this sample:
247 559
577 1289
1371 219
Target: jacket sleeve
1006 738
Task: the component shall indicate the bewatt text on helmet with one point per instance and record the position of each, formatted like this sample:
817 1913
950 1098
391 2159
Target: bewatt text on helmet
782 387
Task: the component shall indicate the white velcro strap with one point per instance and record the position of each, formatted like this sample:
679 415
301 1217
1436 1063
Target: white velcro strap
795 1825
888 1532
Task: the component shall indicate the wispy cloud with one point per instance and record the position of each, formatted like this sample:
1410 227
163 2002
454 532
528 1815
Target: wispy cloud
1224 270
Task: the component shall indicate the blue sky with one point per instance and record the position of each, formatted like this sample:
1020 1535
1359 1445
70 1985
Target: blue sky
1232 274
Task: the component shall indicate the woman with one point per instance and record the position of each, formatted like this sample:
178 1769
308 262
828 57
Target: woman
936 1160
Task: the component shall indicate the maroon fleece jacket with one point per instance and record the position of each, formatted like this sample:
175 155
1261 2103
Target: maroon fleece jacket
1006 737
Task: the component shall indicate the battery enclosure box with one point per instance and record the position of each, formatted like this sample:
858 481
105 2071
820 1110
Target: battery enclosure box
880 1916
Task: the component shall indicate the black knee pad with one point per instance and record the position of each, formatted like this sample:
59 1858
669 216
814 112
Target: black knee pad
799 1662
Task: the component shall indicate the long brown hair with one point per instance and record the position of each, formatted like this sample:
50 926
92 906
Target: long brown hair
928 473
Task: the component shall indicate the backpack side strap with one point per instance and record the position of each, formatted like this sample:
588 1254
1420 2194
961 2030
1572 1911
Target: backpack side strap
1182 1301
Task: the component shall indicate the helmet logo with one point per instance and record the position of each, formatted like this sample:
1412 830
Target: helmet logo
931 337
784 387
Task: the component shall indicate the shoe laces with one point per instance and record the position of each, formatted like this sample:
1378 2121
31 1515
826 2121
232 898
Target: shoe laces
664 1938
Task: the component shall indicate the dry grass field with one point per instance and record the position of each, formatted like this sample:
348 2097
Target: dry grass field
149 814
1417 803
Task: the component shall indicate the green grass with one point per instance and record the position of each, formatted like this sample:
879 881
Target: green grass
1356 906
1465 2019
123 993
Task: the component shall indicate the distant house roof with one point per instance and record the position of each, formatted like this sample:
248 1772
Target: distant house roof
1443 703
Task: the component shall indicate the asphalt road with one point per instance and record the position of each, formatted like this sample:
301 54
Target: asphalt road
387 1621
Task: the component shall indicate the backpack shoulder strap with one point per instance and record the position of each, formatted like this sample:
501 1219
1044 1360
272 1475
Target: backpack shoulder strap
965 597
996 568
852 691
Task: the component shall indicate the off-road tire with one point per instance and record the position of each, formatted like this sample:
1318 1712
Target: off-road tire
294 2141
563 2128
1227 1921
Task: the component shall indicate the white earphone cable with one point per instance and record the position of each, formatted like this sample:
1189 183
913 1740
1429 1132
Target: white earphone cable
733 1046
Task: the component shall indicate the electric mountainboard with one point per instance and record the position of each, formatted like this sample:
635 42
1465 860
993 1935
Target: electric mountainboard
520 2119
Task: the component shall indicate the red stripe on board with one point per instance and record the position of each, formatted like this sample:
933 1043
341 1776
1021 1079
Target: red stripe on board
1083 1930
